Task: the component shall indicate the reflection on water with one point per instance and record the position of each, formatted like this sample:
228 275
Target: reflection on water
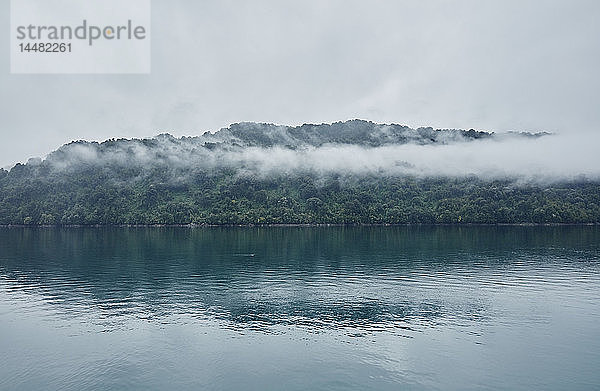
351 308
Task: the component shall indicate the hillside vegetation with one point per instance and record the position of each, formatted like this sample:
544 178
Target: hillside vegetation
243 175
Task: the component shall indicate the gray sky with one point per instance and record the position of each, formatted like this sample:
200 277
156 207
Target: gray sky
490 65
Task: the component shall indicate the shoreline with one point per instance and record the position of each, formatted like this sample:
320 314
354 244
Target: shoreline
292 225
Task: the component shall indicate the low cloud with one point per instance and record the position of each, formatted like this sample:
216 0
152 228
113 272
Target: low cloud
448 153
552 157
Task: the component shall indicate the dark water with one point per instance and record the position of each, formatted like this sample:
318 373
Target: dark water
378 308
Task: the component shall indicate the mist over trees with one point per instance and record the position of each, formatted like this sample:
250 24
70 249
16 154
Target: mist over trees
353 172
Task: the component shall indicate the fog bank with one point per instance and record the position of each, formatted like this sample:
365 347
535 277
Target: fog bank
350 148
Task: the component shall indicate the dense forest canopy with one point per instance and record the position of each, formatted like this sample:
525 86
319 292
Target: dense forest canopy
353 172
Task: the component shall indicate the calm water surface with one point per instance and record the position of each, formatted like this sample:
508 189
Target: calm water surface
366 308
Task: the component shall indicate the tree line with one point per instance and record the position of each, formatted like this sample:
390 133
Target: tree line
122 195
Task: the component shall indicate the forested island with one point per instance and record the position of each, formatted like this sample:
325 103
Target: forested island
353 172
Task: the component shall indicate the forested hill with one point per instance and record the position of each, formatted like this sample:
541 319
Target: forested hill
353 172
350 132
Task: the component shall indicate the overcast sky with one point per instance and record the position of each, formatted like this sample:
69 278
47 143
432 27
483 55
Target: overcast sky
490 65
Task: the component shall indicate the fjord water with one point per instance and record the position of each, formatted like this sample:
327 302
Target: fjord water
299 308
